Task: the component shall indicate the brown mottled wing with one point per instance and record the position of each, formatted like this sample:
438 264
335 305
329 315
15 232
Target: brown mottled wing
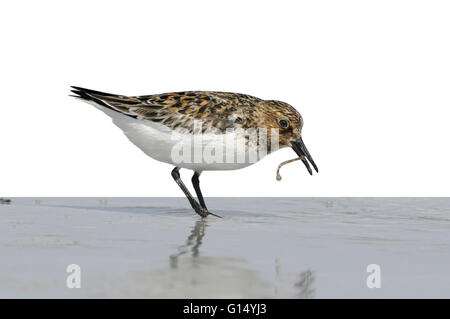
219 110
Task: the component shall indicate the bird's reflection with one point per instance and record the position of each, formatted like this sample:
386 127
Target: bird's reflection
305 284
193 243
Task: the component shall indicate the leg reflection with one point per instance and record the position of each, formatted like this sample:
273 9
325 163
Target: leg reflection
193 243
305 284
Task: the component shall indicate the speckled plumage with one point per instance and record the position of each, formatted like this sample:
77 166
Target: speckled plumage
218 111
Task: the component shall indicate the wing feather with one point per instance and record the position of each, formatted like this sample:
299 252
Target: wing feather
179 108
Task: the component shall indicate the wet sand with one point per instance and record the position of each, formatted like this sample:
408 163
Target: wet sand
263 247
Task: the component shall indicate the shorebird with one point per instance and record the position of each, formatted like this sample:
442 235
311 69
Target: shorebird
163 124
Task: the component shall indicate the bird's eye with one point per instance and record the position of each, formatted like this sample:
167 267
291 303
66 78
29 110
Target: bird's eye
283 123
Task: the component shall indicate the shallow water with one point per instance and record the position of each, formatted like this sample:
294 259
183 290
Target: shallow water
263 247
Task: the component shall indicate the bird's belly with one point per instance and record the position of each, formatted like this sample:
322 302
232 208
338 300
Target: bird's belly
153 141
199 153
207 152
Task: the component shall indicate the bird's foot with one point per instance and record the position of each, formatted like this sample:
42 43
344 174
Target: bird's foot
203 212
214 215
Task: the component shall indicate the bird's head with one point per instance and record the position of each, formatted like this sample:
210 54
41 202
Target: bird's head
289 123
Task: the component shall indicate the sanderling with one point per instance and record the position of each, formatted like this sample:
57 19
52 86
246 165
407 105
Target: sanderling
201 130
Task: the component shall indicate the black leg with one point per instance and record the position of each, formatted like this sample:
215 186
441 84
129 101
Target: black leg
196 183
198 209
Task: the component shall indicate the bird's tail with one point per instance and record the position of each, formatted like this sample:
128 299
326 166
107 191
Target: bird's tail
92 96
114 102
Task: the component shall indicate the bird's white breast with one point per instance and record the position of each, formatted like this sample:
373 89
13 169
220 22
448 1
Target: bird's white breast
163 144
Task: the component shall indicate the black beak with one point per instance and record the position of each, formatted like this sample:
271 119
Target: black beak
301 150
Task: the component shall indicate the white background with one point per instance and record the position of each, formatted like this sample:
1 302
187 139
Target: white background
371 79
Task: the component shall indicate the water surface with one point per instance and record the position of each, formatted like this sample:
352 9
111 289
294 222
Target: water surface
263 247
